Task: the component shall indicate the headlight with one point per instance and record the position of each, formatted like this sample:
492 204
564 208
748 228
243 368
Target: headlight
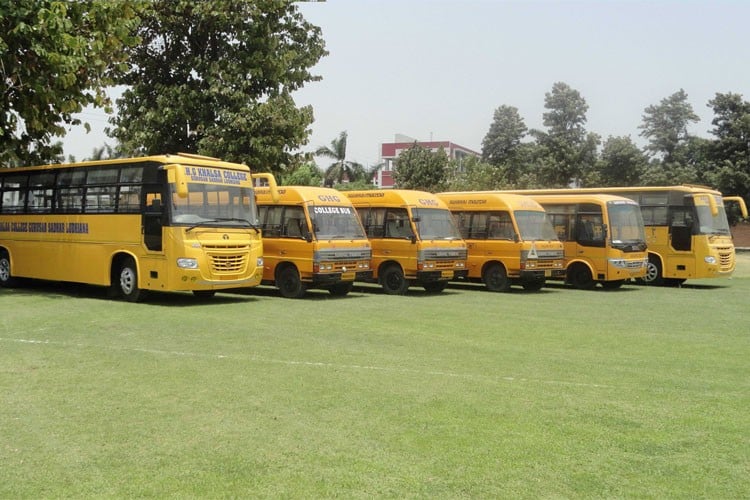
709 259
259 262
185 263
618 263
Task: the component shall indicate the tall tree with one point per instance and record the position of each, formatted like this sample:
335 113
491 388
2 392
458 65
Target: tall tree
341 169
567 152
665 126
419 168
217 78
55 59
503 140
730 151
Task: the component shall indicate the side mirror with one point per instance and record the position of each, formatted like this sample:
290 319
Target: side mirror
413 238
308 236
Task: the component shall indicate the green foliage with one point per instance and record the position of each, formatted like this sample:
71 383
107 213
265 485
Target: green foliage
730 151
621 163
421 169
55 59
216 78
306 174
500 145
665 126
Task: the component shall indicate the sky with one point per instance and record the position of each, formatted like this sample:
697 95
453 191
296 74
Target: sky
438 69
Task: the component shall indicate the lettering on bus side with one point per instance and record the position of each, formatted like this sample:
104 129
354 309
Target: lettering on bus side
366 195
428 203
329 197
45 227
332 210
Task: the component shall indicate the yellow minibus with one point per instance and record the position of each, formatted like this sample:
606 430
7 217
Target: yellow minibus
414 239
509 238
163 223
602 235
312 238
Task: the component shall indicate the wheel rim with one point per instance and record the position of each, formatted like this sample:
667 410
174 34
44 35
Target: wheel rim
4 269
652 272
394 280
127 281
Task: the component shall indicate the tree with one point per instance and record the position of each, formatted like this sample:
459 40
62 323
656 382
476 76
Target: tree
567 152
729 154
55 59
217 78
500 145
306 174
340 170
621 163
419 168
665 126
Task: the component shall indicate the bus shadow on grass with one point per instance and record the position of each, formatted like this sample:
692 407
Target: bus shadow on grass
311 294
63 290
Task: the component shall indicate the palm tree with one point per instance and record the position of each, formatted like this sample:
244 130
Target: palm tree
341 168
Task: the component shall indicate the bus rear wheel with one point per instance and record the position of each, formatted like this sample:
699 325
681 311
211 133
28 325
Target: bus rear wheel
653 272
127 281
393 280
495 278
6 278
290 284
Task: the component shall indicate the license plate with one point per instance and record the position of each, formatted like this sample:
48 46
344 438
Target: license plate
347 276
446 274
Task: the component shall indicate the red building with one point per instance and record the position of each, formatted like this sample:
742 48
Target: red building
390 151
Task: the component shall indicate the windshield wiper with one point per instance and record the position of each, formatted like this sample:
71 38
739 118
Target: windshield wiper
198 224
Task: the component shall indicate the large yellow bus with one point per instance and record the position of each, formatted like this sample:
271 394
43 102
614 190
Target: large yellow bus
414 239
687 231
509 238
165 223
312 238
602 235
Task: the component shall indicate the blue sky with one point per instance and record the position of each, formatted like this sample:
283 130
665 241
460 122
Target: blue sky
438 69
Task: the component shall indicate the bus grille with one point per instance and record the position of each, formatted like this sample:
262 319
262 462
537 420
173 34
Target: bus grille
546 263
445 264
339 266
725 257
634 264
228 262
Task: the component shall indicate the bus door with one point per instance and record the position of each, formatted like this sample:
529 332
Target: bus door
591 236
681 228
153 215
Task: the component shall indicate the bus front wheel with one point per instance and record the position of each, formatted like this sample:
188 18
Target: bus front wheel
580 277
290 284
393 280
6 278
495 278
127 281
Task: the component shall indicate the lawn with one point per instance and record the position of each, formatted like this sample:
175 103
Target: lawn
639 392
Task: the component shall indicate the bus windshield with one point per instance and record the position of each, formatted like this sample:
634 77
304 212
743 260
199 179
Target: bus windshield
534 225
435 224
625 223
215 205
710 224
336 223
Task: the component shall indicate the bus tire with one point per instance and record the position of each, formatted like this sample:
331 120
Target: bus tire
653 272
495 278
6 278
393 281
435 286
579 275
289 283
127 281
341 289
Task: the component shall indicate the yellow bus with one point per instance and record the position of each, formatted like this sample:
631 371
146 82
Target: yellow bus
312 238
414 239
166 223
687 232
602 235
509 238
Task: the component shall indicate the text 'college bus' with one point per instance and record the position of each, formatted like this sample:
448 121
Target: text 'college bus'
164 223
509 238
687 231
312 238
602 235
414 239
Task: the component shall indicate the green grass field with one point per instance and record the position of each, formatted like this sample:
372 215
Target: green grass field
640 392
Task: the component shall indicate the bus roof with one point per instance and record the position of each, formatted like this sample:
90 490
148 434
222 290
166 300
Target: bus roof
180 158
488 200
394 198
592 197
682 188
304 194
